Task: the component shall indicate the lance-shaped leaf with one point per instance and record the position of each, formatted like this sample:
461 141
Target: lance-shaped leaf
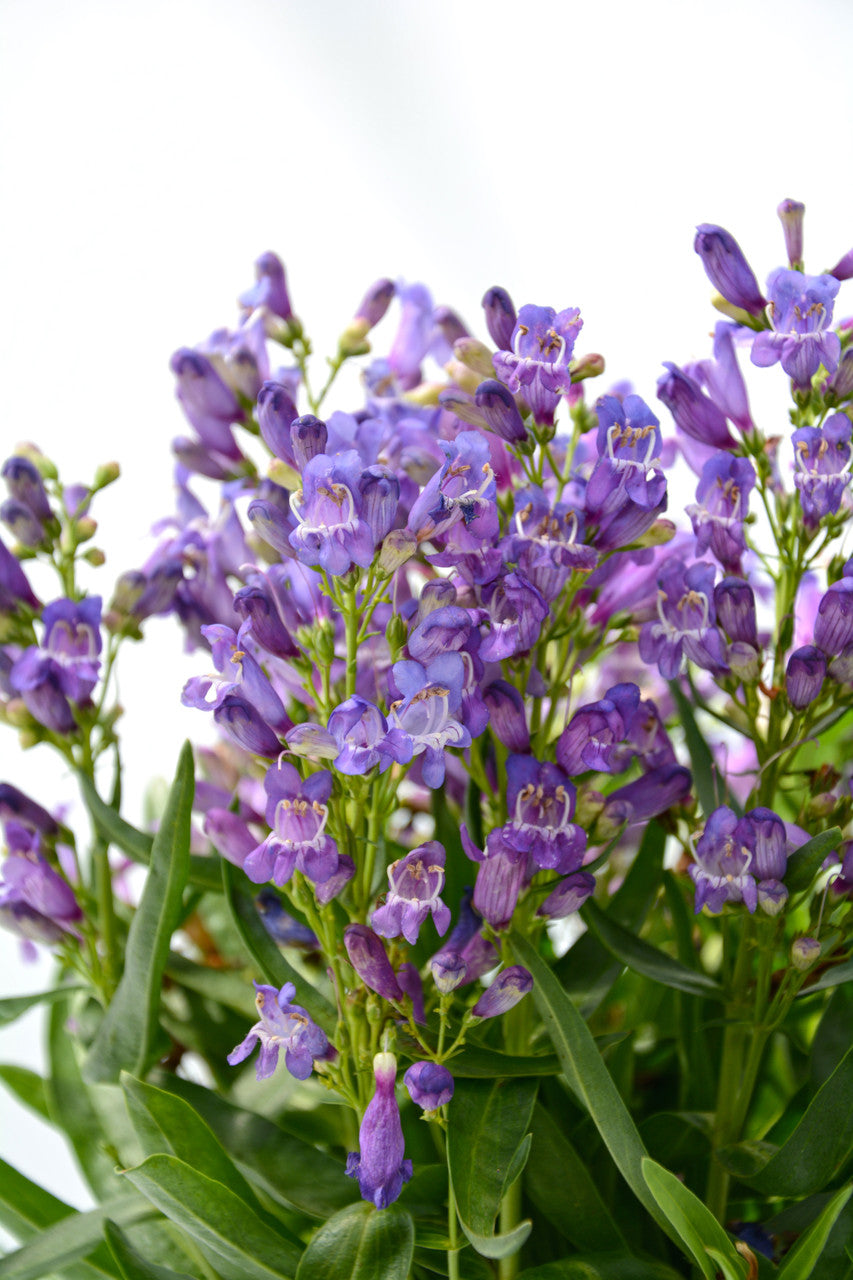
709 783
646 959
801 1262
13 1006
587 1075
222 1223
563 1189
265 953
488 1141
78 1235
476 1062
816 1150
805 862
131 1264
697 1228
126 1036
598 1266
361 1243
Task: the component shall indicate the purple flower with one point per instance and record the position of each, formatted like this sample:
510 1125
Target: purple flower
499 881
516 613
297 812
822 458
723 379
541 803
594 737
72 640
548 542
568 897
35 901
428 710
800 309
379 1164
331 533
448 970
500 411
375 303
276 411
15 590
208 403
653 793
415 883
537 365
500 317
430 1085
833 628
686 620
282 1025
723 859
734 601
308 439
507 715
722 502
694 413
508 988
363 739
804 676
727 268
269 289
629 445
239 674
791 216
368 957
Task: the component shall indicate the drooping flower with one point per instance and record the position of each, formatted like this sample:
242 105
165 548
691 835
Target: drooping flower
282 1025
415 883
802 339
380 1164
727 268
368 957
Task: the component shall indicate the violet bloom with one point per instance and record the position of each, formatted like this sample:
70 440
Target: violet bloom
276 411
541 804
429 709
722 505
800 309
537 365
547 543
568 897
368 957
238 673
500 878
727 268
282 1025
723 860
804 676
363 739
595 736
686 621
379 1164
297 812
655 792
415 883
35 901
15 590
723 379
331 533
516 613
463 489
822 458
506 990
500 315
269 289
430 1085
629 444
694 413
833 628
500 411
65 667
208 403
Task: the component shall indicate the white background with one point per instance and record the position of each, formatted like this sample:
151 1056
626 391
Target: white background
149 153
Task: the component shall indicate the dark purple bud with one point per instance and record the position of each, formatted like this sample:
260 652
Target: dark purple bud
380 493
506 990
270 287
410 981
791 216
694 414
734 602
21 523
368 957
833 630
379 1164
499 878
281 926
308 437
444 630
429 1084
569 896
375 303
841 382
257 603
448 970
500 411
450 325
804 676
15 804
507 716
242 722
770 859
14 587
727 268
843 269
276 411
25 485
271 524
500 317
646 797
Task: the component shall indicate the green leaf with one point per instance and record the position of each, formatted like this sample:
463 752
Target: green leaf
25 1207
168 1124
488 1124
75 1236
475 1062
361 1243
137 845
292 1171
800 1263
726 1269
805 862
266 955
587 1075
696 1226
13 1006
126 1036
816 1150
710 786
131 1265
214 1216
833 977
648 960
27 1086
562 1188
591 1266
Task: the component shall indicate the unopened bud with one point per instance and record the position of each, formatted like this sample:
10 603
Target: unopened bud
95 557
588 366
397 547
822 805
804 953
84 529
46 469
106 474
353 340
463 376
396 633
425 394
17 714
324 642
738 314
476 355
661 532
282 474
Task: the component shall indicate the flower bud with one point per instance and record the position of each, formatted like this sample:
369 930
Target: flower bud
330 888
804 676
805 952
791 216
500 411
590 365
506 990
429 1084
107 473
276 411
568 897
507 716
474 355
500 317
727 268
734 603
308 437
375 303
368 957
448 970
397 548
843 269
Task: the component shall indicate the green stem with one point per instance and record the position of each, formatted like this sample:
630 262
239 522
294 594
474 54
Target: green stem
452 1234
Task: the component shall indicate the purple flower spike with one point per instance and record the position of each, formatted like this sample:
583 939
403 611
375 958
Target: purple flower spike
379 1164
269 289
537 365
802 339
500 317
694 414
804 676
368 957
282 1025
415 883
507 989
823 458
727 268
429 1084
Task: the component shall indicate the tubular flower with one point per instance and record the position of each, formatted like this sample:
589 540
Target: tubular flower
537 366
297 813
822 458
686 621
379 1164
428 710
282 1025
415 883
802 339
